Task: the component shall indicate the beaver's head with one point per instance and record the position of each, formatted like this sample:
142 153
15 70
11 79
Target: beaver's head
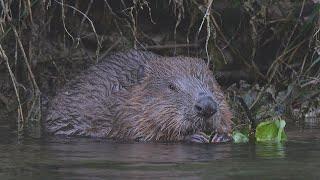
178 97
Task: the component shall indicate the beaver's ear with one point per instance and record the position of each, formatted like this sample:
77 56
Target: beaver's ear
140 73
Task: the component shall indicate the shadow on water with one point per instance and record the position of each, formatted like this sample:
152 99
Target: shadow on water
81 158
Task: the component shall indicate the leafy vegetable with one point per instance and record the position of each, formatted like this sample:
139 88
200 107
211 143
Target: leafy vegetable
271 131
238 137
265 131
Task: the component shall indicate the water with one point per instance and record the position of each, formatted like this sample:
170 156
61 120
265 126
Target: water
81 158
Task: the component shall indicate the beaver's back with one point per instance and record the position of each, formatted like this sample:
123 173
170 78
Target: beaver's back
81 107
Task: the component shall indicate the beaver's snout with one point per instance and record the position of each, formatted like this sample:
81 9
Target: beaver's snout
206 107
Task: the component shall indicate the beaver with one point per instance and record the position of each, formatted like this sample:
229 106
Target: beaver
138 95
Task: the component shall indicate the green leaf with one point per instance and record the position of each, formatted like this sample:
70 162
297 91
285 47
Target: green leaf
238 137
271 131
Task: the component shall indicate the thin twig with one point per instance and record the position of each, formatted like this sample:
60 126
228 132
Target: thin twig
248 113
26 59
90 21
29 10
206 17
276 63
83 19
110 48
14 82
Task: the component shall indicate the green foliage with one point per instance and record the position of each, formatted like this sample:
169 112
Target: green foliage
271 131
239 137
265 132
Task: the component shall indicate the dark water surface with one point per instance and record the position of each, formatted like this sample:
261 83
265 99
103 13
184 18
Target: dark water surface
79 158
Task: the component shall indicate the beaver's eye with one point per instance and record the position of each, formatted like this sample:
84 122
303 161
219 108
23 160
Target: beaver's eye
172 87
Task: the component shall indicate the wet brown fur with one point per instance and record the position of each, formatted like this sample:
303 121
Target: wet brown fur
138 95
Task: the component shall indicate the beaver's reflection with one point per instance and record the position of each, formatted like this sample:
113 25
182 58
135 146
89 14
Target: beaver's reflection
139 152
100 158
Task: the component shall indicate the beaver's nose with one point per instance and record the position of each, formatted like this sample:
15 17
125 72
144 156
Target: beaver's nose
206 106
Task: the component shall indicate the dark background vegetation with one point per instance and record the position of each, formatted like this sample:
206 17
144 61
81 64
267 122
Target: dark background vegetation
264 51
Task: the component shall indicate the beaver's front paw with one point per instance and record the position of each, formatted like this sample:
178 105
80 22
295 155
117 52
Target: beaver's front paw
213 138
220 138
198 138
